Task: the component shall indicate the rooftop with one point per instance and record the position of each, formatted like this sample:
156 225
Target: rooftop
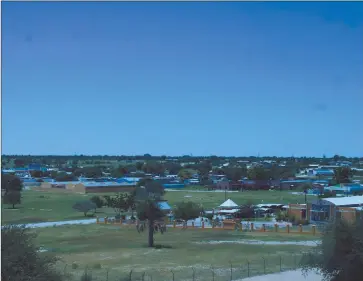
345 201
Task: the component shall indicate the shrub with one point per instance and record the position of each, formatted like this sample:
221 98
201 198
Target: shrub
74 265
85 207
86 276
98 201
97 266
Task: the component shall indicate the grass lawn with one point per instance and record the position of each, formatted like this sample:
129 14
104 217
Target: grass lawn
41 206
214 199
115 249
37 206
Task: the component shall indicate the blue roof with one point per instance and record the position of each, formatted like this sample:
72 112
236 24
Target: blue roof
106 184
164 206
292 181
128 180
65 182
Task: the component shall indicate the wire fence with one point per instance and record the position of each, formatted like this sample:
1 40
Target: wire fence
232 270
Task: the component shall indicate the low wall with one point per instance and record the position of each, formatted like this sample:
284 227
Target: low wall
248 227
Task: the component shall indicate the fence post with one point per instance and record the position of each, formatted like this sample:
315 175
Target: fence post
295 262
263 228
280 263
172 272
252 226
213 224
97 220
202 224
300 228
193 273
248 268
130 275
212 268
276 227
264 265
192 224
105 220
288 228
313 228
107 274
174 224
231 271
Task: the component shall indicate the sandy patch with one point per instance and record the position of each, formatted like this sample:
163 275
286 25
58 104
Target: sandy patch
259 242
295 275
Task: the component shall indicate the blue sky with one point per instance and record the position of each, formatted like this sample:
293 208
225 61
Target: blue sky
229 79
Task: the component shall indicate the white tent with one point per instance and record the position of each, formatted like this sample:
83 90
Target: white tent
228 204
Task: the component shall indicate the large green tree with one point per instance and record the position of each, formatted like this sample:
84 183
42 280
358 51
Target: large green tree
12 186
187 211
343 175
148 195
258 173
340 255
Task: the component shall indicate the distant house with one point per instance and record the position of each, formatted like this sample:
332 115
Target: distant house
90 187
256 184
330 209
292 184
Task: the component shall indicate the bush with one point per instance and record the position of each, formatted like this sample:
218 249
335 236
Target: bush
12 198
74 265
86 276
302 222
20 259
85 207
97 266
98 201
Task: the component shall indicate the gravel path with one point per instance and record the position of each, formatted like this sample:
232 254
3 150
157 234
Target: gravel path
310 243
295 275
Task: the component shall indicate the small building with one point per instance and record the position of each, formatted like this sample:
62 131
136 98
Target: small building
293 184
328 209
101 187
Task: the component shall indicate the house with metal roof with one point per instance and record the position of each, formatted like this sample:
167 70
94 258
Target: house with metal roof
329 209
100 187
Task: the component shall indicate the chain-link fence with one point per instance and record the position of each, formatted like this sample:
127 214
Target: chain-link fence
232 270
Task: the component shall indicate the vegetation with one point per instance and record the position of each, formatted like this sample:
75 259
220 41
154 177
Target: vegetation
340 255
21 260
118 250
147 208
12 187
187 211
98 201
85 207
55 205
343 175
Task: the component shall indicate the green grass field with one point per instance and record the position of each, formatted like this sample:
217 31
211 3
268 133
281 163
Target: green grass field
118 250
41 206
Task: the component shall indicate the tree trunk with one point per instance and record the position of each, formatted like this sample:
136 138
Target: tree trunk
151 234
13 206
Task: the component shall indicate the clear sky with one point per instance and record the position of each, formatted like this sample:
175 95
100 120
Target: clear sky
235 79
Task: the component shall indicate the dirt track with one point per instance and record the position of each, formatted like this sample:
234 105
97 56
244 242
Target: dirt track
295 275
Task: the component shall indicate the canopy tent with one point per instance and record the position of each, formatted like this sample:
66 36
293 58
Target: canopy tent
228 211
228 204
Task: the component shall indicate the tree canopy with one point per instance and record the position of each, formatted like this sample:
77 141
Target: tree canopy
20 259
340 255
187 211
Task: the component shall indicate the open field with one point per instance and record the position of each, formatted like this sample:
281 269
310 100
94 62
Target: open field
41 206
119 250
